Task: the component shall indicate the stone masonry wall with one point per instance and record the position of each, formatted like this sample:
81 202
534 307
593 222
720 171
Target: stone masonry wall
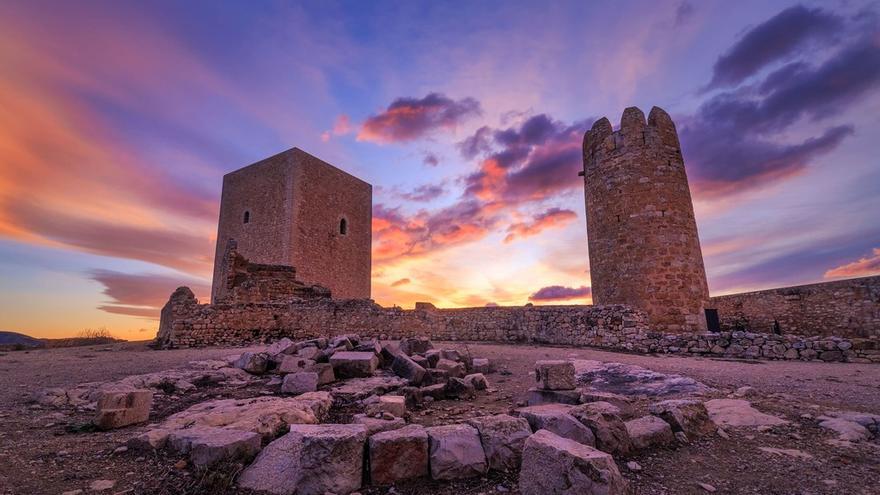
848 308
642 234
186 323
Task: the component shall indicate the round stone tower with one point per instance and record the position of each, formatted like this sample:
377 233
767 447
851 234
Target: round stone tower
642 235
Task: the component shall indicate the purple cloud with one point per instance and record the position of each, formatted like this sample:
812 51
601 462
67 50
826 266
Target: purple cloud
141 295
407 119
559 292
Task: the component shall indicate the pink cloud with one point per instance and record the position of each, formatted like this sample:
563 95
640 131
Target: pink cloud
142 295
552 218
869 265
407 119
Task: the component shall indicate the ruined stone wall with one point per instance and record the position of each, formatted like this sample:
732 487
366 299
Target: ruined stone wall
642 234
186 323
286 210
848 308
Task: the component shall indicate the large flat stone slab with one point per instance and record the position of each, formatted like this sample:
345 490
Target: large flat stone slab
628 379
739 412
207 445
309 460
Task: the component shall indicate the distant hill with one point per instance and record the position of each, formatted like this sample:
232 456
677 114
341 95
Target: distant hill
9 340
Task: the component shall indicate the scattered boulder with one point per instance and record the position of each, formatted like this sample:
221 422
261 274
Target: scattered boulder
122 408
503 438
847 431
352 364
649 431
391 404
377 425
684 415
459 388
556 418
455 452
436 391
420 360
311 352
207 445
477 380
553 465
453 368
622 402
434 376
607 427
309 460
283 346
537 396
398 454
739 412
404 367
745 392
361 388
450 354
433 356
254 363
481 365
324 371
555 375
300 383
292 364
415 345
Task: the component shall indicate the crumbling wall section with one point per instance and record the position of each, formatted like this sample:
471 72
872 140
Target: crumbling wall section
847 308
186 323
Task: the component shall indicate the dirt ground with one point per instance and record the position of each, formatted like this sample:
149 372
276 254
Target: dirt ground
44 450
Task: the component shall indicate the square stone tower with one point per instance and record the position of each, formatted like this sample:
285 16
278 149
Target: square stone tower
297 210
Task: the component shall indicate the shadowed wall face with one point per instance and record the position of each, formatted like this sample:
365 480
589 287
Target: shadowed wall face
296 210
642 235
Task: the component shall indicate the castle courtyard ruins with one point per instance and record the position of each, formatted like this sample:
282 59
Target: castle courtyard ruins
292 381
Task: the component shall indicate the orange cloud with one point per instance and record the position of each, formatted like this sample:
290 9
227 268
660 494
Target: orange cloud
869 265
407 119
552 218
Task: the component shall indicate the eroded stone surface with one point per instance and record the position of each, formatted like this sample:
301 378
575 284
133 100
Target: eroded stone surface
207 445
503 438
556 418
122 408
739 412
309 460
398 454
456 452
684 415
607 427
628 379
555 465
555 375
649 431
352 364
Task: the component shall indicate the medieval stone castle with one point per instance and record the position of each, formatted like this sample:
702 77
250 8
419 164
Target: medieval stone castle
293 259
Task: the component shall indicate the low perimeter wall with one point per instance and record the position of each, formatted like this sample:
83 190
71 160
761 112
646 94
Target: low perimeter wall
186 323
847 308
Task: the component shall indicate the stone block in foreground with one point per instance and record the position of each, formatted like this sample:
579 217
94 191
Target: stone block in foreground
399 454
207 445
405 367
553 465
606 425
649 431
309 460
456 452
555 375
555 418
353 364
122 408
537 397
300 383
503 438
685 415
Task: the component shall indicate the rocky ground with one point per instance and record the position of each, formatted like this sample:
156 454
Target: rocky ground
53 450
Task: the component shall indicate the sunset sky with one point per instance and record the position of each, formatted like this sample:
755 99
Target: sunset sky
118 120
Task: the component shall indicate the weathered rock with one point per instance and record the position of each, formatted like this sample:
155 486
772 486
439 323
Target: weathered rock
746 392
433 357
283 346
324 371
292 364
847 431
477 380
436 392
370 346
361 388
420 360
207 445
649 431
404 367
391 404
455 452
267 416
300 383
415 345
555 375
537 396
309 352
149 440
434 376
607 427
412 396
450 354
685 415
376 425
398 454
458 388
622 402
503 437
481 365
556 418
553 465
309 460
255 363
455 369
350 364
739 412
122 408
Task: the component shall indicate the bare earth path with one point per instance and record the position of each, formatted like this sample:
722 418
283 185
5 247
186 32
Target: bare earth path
39 455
